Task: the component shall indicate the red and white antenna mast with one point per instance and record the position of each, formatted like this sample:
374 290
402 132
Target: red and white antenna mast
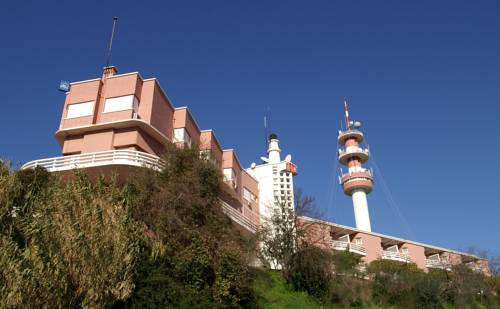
358 181
347 120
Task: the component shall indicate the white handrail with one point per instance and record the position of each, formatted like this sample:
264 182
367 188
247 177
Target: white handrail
344 245
127 157
238 217
392 255
353 149
434 263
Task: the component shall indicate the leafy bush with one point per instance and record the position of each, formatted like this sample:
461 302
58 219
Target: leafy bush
158 239
65 244
312 271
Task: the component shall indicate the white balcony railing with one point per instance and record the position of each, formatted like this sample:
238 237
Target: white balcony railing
434 263
238 217
86 160
353 149
347 246
396 256
474 266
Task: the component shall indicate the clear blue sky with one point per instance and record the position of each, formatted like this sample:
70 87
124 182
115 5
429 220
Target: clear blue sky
422 76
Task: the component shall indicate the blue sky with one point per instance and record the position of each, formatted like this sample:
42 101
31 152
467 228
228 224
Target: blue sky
422 76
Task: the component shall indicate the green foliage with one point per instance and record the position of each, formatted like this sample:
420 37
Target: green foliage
200 254
312 271
159 239
346 263
65 244
273 293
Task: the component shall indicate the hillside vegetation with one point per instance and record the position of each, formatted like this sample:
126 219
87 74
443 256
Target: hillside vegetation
160 240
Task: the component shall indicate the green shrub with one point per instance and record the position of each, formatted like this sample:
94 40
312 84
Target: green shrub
311 271
159 239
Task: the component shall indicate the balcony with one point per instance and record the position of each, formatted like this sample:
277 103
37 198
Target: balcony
396 256
343 136
474 267
362 179
347 246
94 159
353 151
437 264
238 217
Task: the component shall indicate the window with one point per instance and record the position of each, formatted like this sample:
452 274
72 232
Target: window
247 195
120 104
181 135
404 250
358 241
80 109
229 174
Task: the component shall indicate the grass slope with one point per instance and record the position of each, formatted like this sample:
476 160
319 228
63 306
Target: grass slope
273 293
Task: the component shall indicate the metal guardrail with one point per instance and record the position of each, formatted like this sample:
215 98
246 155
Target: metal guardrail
474 267
344 245
238 217
433 263
395 256
353 149
126 157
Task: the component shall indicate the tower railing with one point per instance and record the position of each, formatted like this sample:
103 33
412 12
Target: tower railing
353 149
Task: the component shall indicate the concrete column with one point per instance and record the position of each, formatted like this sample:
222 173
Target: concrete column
361 211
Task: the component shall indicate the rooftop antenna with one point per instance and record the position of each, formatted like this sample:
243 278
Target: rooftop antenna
108 60
267 127
347 120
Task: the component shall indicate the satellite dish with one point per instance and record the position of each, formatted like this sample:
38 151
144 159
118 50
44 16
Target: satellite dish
357 124
264 159
64 86
288 158
253 165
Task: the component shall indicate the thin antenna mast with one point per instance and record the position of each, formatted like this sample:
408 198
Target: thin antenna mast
108 60
347 120
265 132
267 128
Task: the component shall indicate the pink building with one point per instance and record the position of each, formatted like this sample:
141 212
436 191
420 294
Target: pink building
371 246
111 123
121 120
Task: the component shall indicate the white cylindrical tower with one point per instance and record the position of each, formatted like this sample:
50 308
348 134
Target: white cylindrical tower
361 214
358 181
273 150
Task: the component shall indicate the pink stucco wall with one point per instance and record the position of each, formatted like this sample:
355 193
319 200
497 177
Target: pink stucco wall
97 141
417 254
372 244
184 119
161 112
153 109
453 258
317 234
250 208
208 141
229 160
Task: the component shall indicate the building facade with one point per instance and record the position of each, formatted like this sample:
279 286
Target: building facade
116 121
